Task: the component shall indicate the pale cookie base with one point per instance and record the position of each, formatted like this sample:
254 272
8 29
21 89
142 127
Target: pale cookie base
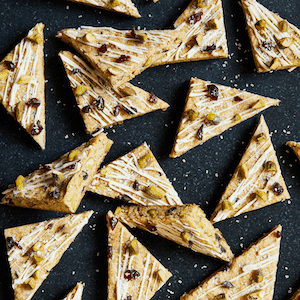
296 148
71 189
116 180
76 292
226 107
239 274
56 241
148 282
186 225
240 191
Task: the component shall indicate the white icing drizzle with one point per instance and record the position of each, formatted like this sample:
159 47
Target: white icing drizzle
206 106
52 247
24 54
245 187
269 35
215 37
124 172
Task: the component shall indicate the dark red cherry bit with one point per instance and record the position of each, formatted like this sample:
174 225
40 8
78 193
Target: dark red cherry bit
33 102
133 32
123 58
199 134
75 71
227 284
49 226
277 189
210 48
113 222
10 65
10 242
151 227
103 48
86 109
237 98
37 128
109 251
152 99
195 18
130 110
99 103
213 91
117 110
136 185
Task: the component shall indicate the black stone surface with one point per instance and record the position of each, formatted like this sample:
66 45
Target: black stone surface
199 176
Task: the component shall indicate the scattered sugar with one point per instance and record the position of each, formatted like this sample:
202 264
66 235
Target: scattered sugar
203 267
287 276
245 217
66 136
184 160
97 270
241 245
73 273
179 281
217 174
195 265
67 7
80 16
237 221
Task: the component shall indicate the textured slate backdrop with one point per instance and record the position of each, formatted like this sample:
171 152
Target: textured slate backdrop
85 260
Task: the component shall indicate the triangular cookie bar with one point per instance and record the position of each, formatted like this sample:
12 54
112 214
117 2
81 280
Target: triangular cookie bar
76 292
120 6
211 109
186 225
133 272
22 84
60 186
119 55
256 182
202 24
34 249
296 295
296 148
274 41
136 178
100 105
250 276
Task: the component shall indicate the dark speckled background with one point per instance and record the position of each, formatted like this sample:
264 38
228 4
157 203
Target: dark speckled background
199 176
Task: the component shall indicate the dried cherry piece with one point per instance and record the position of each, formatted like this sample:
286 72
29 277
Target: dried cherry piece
75 71
123 58
133 32
278 234
49 226
131 274
131 110
227 284
152 99
33 102
213 91
45 168
109 251
29 252
277 189
136 185
10 65
103 48
117 110
99 103
128 298
18 245
124 197
113 222
86 109
151 227
199 134
10 242
54 194
195 18
37 128
210 48
170 210
237 98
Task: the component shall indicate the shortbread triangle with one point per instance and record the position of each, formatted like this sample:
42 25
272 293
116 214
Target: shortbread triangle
251 275
101 105
210 109
296 295
34 249
22 84
274 41
133 272
296 148
256 182
119 55
136 178
120 6
76 292
202 25
186 225
60 185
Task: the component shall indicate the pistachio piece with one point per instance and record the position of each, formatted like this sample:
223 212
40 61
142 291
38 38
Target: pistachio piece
262 195
58 176
66 228
261 24
4 74
148 61
20 182
222 296
212 24
258 276
24 79
199 39
133 247
270 166
81 89
19 110
114 70
38 259
31 282
155 192
186 236
90 38
237 118
213 118
283 26
152 213
36 38
145 160
255 295
177 40
37 275
275 63
261 137
285 42
162 275
259 104
129 91
38 246
106 170
117 211
201 3
227 205
90 163
183 212
142 37
73 154
244 171
115 3
192 114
